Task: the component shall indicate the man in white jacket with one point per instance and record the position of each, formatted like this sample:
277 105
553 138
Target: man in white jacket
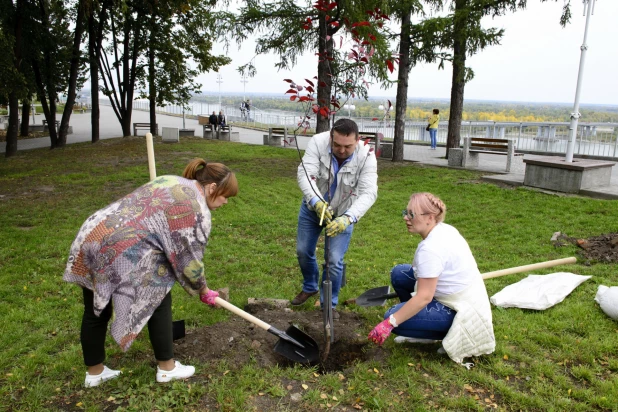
339 180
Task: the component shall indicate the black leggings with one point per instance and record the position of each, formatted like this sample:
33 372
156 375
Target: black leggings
94 329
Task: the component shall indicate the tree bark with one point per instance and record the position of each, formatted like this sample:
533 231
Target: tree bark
152 88
25 118
401 101
325 83
74 70
459 81
11 132
94 76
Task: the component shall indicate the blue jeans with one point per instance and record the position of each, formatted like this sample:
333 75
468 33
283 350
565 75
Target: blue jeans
432 322
433 135
309 230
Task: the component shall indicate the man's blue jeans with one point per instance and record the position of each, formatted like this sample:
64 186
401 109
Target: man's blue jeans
433 135
309 231
432 322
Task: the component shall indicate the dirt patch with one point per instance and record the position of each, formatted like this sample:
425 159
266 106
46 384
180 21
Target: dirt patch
238 341
31 135
603 248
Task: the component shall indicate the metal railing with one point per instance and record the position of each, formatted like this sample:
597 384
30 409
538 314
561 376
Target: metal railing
592 139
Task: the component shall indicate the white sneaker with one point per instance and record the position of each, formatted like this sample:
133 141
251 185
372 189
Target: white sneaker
404 339
180 371
96 380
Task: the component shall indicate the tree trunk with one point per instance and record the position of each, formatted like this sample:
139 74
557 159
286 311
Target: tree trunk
324 74
94 76
401 101
459 81
152 88
74 71
25 118
11 132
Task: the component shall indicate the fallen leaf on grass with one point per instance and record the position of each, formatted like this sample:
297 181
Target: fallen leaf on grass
290 387
79 404
323 396
111 398
341 392
357 406
305 387
226 372
261 393
335 398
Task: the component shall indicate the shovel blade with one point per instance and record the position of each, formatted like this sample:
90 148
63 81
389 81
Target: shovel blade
375 296
309 354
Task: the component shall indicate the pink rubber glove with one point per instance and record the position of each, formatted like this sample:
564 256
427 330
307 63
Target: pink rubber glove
381 332
209 297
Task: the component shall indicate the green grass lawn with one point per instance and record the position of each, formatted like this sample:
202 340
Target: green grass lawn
564 358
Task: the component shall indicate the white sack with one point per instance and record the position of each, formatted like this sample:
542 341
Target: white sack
538 291
607 298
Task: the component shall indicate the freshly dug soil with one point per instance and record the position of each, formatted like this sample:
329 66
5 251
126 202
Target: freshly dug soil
603 248
238 340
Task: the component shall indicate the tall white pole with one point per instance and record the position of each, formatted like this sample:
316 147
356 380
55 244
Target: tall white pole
244 81
219 80
575 115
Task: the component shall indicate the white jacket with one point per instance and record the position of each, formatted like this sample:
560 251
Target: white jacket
472 332
357 180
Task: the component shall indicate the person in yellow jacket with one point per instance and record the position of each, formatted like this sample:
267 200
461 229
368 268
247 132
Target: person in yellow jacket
433 121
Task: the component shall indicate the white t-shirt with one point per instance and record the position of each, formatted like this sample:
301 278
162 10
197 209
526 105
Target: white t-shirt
445 255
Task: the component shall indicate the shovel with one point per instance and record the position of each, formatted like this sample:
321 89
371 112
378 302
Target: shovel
294 344
379 296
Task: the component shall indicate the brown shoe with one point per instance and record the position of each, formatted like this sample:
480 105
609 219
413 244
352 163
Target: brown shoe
302 297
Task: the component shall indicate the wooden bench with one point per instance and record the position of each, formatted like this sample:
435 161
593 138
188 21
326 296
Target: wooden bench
473 146
275 136
144 126
208 131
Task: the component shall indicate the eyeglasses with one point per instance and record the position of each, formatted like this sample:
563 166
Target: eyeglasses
410 215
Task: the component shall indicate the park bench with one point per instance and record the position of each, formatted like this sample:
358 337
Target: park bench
385 148
45 128
275 136
144 126
473 146
224 132
208 131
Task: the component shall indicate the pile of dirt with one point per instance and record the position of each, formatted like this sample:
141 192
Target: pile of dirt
238 341
603 248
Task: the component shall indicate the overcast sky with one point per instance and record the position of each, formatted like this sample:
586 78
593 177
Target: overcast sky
537 61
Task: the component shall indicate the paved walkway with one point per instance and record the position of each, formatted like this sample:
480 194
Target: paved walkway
110 127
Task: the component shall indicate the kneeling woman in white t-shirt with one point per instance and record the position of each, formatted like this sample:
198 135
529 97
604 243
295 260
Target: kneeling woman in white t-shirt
450 303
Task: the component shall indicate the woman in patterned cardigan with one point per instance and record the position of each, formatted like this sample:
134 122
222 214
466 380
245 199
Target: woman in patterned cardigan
128 255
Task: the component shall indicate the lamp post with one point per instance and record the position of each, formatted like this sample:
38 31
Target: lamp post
575 115
219 80
350 107
244 81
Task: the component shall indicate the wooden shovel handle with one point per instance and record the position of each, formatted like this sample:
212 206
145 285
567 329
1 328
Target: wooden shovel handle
227 305
525 268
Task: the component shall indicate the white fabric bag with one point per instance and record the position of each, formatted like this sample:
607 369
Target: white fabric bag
538 292
607 298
